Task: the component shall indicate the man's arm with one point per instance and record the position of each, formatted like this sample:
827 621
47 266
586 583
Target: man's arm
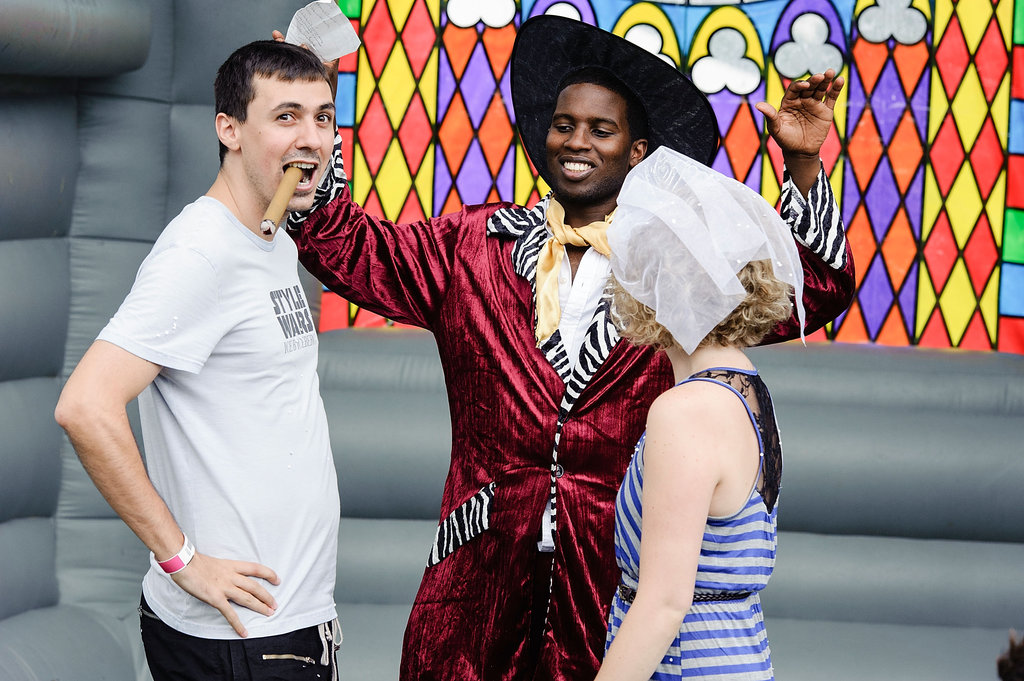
92 409
800 127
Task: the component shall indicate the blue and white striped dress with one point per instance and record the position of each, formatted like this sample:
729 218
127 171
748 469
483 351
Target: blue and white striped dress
717 639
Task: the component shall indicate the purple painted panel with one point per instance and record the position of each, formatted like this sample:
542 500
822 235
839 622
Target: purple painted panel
473 179
855 100
721 162
445 85
914 202
838 322
505 87
754 177
505 182
826 10
919 105
883 199
442 179
851 194
908 299
888 102
875 295
725 104
480 80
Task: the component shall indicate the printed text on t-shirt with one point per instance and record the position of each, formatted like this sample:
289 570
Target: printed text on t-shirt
293 315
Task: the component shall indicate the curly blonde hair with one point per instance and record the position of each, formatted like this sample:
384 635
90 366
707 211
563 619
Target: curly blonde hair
767 303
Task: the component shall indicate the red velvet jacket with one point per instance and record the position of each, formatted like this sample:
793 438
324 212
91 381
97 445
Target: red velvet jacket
471 618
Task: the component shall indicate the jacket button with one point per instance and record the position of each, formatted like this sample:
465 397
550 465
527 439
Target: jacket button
559 470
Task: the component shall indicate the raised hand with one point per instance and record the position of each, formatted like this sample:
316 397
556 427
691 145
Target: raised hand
330 66
801 123
216 581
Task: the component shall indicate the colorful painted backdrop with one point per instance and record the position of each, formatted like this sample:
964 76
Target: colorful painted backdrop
927 154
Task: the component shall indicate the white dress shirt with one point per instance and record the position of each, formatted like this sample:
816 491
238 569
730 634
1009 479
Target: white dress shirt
578 298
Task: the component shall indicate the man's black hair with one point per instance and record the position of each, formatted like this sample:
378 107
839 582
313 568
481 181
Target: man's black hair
234 88
636 114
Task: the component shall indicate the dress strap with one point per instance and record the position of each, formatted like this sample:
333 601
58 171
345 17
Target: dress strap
746 405
750 414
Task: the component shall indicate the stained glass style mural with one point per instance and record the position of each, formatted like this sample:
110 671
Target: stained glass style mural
926 157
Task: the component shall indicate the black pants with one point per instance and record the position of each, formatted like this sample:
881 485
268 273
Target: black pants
295 656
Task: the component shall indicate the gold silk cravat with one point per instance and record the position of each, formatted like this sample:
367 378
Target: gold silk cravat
549 264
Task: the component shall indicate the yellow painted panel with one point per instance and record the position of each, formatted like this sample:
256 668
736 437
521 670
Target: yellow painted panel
964 206
770 188
400 10
836 178
648 13
943 12
925 301
958 302
365 85
974 16
773 89
839 113
728 17
434 6
995 208
1004 13
361 181
397 85
523 178
937 106
969 107
425 181
931 203
393 181
922 5
1001 111
989 304
428 86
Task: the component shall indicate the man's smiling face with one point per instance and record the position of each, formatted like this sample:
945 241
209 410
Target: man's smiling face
288 122
589 150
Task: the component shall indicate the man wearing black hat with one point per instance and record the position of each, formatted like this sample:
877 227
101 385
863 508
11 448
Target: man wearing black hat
545 402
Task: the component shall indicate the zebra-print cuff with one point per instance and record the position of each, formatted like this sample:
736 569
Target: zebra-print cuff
332 183
463 524
816 221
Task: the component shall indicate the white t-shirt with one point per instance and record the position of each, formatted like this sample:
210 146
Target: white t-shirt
233 426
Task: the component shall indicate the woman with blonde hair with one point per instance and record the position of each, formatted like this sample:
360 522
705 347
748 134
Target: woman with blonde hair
703 268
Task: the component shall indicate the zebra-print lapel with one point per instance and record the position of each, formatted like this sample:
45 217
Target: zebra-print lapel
332 183
597 345
529 228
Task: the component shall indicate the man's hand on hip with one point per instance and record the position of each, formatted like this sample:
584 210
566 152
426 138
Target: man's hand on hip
216 581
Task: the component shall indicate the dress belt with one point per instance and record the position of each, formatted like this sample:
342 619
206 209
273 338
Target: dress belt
627 594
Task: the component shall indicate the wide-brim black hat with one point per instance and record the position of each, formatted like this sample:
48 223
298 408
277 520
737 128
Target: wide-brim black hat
549 48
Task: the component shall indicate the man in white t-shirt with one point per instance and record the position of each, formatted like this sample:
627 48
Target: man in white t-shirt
240 504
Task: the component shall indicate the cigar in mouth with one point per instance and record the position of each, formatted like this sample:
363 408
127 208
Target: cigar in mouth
278 204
